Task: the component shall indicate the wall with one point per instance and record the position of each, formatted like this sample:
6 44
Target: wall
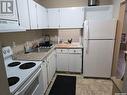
125 22
19 37
65 34
69 3
53 34
116 4
119 31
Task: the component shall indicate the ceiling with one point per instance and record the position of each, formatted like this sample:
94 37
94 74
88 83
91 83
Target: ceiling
68 3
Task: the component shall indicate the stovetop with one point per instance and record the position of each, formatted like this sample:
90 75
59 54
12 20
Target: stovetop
18 74
17 71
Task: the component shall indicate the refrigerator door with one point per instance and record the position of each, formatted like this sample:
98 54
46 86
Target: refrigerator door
99 29
98 58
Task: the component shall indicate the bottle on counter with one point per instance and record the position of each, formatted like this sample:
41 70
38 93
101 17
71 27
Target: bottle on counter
26 47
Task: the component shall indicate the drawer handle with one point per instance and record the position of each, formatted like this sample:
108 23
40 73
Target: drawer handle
74 50
61 50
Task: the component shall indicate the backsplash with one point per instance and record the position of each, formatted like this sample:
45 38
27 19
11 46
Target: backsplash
20 38
53 33
65 34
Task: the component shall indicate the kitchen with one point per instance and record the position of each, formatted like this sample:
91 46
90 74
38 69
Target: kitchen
42 31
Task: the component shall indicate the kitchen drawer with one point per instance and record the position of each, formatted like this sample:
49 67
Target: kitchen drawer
62 50
75 51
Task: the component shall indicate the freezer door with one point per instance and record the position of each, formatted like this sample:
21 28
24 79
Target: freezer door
97 61
100 29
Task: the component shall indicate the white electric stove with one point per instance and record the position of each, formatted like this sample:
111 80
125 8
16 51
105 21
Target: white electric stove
21 74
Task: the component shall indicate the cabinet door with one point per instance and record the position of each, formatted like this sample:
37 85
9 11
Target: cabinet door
71 17
54 18
16 21
52 63
49 70
62 62
32 14
44 76
23 14
75 63
99 12
98 58
41 17
51 66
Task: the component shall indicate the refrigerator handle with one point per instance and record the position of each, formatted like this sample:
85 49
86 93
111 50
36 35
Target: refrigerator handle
87 46
87 36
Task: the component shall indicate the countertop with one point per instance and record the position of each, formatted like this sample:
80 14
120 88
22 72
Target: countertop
32 56
69 46
39 56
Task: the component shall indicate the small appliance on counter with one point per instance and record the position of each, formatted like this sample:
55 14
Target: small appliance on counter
47 42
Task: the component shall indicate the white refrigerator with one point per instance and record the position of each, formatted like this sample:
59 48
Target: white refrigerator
98 42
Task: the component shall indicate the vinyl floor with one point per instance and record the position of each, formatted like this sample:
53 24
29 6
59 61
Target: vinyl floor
88 86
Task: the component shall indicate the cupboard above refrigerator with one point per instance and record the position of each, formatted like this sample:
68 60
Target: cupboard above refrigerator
99 12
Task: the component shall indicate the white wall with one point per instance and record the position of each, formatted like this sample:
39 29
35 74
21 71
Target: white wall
116 4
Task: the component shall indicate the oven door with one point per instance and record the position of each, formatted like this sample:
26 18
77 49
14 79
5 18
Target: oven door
31 86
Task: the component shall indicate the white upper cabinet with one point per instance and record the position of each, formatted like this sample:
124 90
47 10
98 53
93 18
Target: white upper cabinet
10 18
32 6
99 12
54 18
72 17
42 20
38 15
24 14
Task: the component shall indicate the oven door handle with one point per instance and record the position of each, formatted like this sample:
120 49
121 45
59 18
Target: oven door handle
28 84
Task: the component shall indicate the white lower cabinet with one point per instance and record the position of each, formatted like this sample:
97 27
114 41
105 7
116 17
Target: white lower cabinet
48 70
51 66
62 62
69 60
75 62
44 76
